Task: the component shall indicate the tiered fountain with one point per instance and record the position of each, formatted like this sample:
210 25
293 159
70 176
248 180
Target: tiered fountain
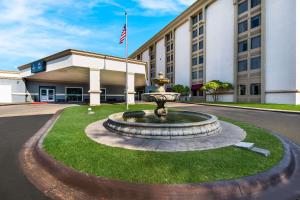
161 124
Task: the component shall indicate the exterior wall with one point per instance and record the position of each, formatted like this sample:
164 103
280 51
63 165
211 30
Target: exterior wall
160 57
183 55
146 58
220 43
33 89
18 90
298 48
280 44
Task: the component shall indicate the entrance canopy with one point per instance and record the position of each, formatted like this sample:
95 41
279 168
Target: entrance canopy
73 66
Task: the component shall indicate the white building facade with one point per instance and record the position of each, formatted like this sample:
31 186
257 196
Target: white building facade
249 43
74 76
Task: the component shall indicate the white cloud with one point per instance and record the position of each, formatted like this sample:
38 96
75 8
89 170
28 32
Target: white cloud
154 7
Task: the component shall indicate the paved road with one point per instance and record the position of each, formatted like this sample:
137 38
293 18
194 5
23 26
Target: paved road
14 132
286 124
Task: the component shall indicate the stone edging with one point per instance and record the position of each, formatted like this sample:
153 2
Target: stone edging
60 182
245 108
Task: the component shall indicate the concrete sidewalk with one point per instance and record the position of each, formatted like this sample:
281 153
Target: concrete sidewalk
31 109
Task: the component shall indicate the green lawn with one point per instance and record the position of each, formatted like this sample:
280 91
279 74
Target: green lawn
68 143
259 105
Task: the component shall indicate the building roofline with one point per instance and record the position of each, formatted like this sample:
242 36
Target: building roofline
173 24
9 72
82 53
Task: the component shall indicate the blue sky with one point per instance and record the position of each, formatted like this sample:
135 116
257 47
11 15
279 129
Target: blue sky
32 29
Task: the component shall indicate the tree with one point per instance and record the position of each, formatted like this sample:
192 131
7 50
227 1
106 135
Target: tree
182 90
216 87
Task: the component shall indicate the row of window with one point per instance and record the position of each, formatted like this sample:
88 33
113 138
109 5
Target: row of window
255 89
255 63
243 7
255 22
170 58
197 46
199 31
197 60
197 74
255 43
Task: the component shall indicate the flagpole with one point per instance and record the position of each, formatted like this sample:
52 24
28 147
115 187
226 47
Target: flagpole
126 54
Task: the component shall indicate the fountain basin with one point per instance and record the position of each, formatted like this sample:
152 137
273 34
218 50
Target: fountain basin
177 124
166 96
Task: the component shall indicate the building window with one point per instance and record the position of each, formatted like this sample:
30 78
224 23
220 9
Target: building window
255 89
255 3
256 63
242 90
194 93
242 66
201 30
138 57
195 33
255 42
195 47
255 21
200 16
194 61
172 46
194 75
243 7
200 74
201 60
243 26
194 20
243 46
168 58
200 45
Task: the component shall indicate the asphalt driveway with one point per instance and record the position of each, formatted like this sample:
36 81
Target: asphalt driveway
285 124
14 132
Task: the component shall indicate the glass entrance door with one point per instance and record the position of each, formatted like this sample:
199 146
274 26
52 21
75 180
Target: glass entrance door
74 94
47 95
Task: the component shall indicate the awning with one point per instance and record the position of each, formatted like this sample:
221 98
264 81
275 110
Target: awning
196 86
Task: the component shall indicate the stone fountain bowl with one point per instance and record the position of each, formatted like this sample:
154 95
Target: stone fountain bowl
177 124
166 96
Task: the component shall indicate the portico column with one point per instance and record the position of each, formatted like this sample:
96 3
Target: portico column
131 88
95 90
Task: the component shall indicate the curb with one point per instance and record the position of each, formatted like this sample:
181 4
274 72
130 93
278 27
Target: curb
246 108
60 182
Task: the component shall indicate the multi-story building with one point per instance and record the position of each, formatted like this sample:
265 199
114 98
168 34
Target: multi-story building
249 43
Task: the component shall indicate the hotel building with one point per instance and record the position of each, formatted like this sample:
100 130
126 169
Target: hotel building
249 43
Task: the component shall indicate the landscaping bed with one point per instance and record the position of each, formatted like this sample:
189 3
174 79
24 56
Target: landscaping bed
68 144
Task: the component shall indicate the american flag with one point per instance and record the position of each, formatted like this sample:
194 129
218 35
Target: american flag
123 35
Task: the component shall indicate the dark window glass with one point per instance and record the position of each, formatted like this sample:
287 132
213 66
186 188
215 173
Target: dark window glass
172 57
168 58
200 16
254 3
194 61
255 21
201 30
201 45
194 75
242 66
201 59
242 90
256 63
172 46
243 7
195 47
243 26
255 42
168 48
255 89
195 33
194 20
243 46
138 57
200 74
194 93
